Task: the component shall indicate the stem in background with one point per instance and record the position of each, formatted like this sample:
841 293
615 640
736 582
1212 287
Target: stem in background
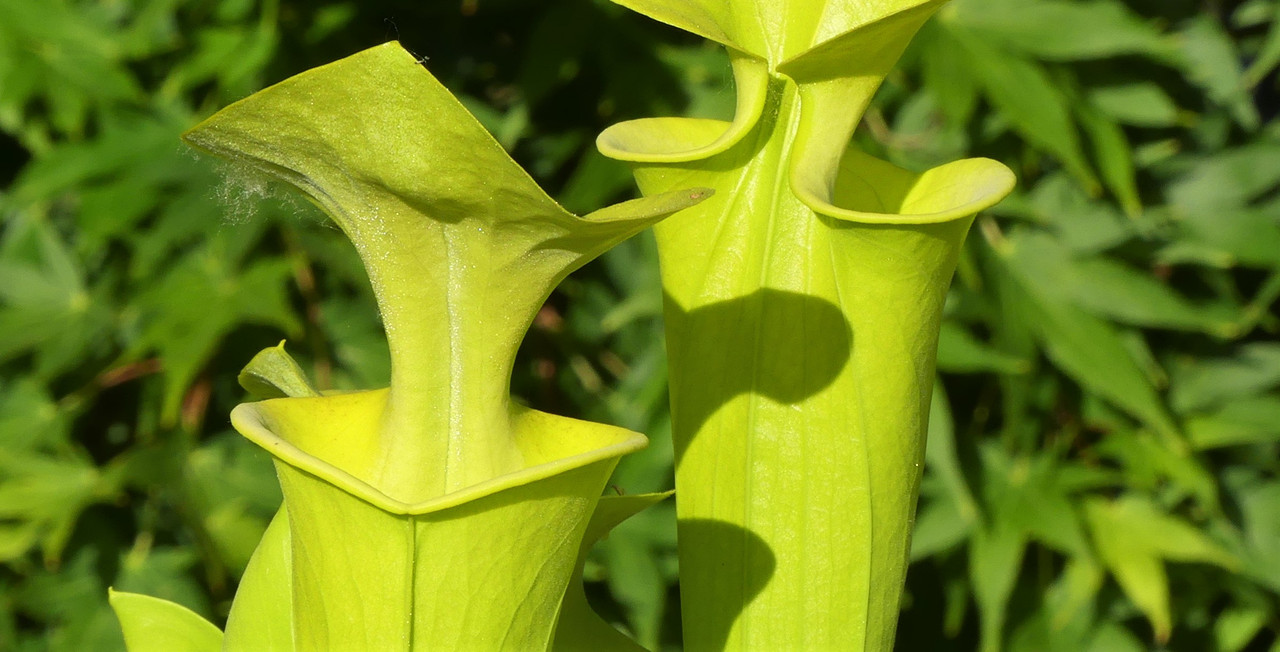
304 277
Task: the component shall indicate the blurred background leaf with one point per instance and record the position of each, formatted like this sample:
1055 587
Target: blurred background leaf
1102 471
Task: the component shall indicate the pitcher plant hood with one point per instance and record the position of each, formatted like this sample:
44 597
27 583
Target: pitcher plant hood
803 302
437 513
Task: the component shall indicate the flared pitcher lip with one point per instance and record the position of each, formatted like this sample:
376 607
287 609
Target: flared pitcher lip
246 419
996 180
696 22
197 137
812 166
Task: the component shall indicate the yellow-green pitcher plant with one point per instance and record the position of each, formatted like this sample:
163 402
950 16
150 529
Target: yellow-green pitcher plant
436 514
803 303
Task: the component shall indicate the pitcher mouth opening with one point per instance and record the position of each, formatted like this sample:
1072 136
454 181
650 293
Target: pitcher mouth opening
872 191
288 429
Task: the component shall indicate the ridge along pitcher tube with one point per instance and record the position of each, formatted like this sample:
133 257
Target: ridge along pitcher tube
803 302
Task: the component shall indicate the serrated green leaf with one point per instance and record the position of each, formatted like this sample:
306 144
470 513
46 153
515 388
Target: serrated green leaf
942 458
1024 495
1212 63
1229 237
1235 628
1075 591
1109 288
1134 538
1114 157
1259 502
1112 637
1248 420
1198 384
1268 55
232 489
1147 461
1082 224
1029 100
164 573
71 61
185 333
946 75
46 308
960 352
1087 348
1063 30
48 493
1139 103
1225 181
939 524
30 418
994 558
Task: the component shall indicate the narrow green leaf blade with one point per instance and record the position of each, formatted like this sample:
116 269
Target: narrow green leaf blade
155 625
579 629
273 373
261 617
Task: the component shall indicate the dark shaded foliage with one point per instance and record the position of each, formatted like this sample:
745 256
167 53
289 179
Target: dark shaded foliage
1104 450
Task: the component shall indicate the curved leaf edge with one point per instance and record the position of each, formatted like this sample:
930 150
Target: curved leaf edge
933 197
579 628
156 625
250 420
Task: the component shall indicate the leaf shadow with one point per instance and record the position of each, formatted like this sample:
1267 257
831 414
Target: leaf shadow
746 564
783 345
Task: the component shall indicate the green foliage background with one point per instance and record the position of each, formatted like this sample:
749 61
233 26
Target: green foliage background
1102 469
